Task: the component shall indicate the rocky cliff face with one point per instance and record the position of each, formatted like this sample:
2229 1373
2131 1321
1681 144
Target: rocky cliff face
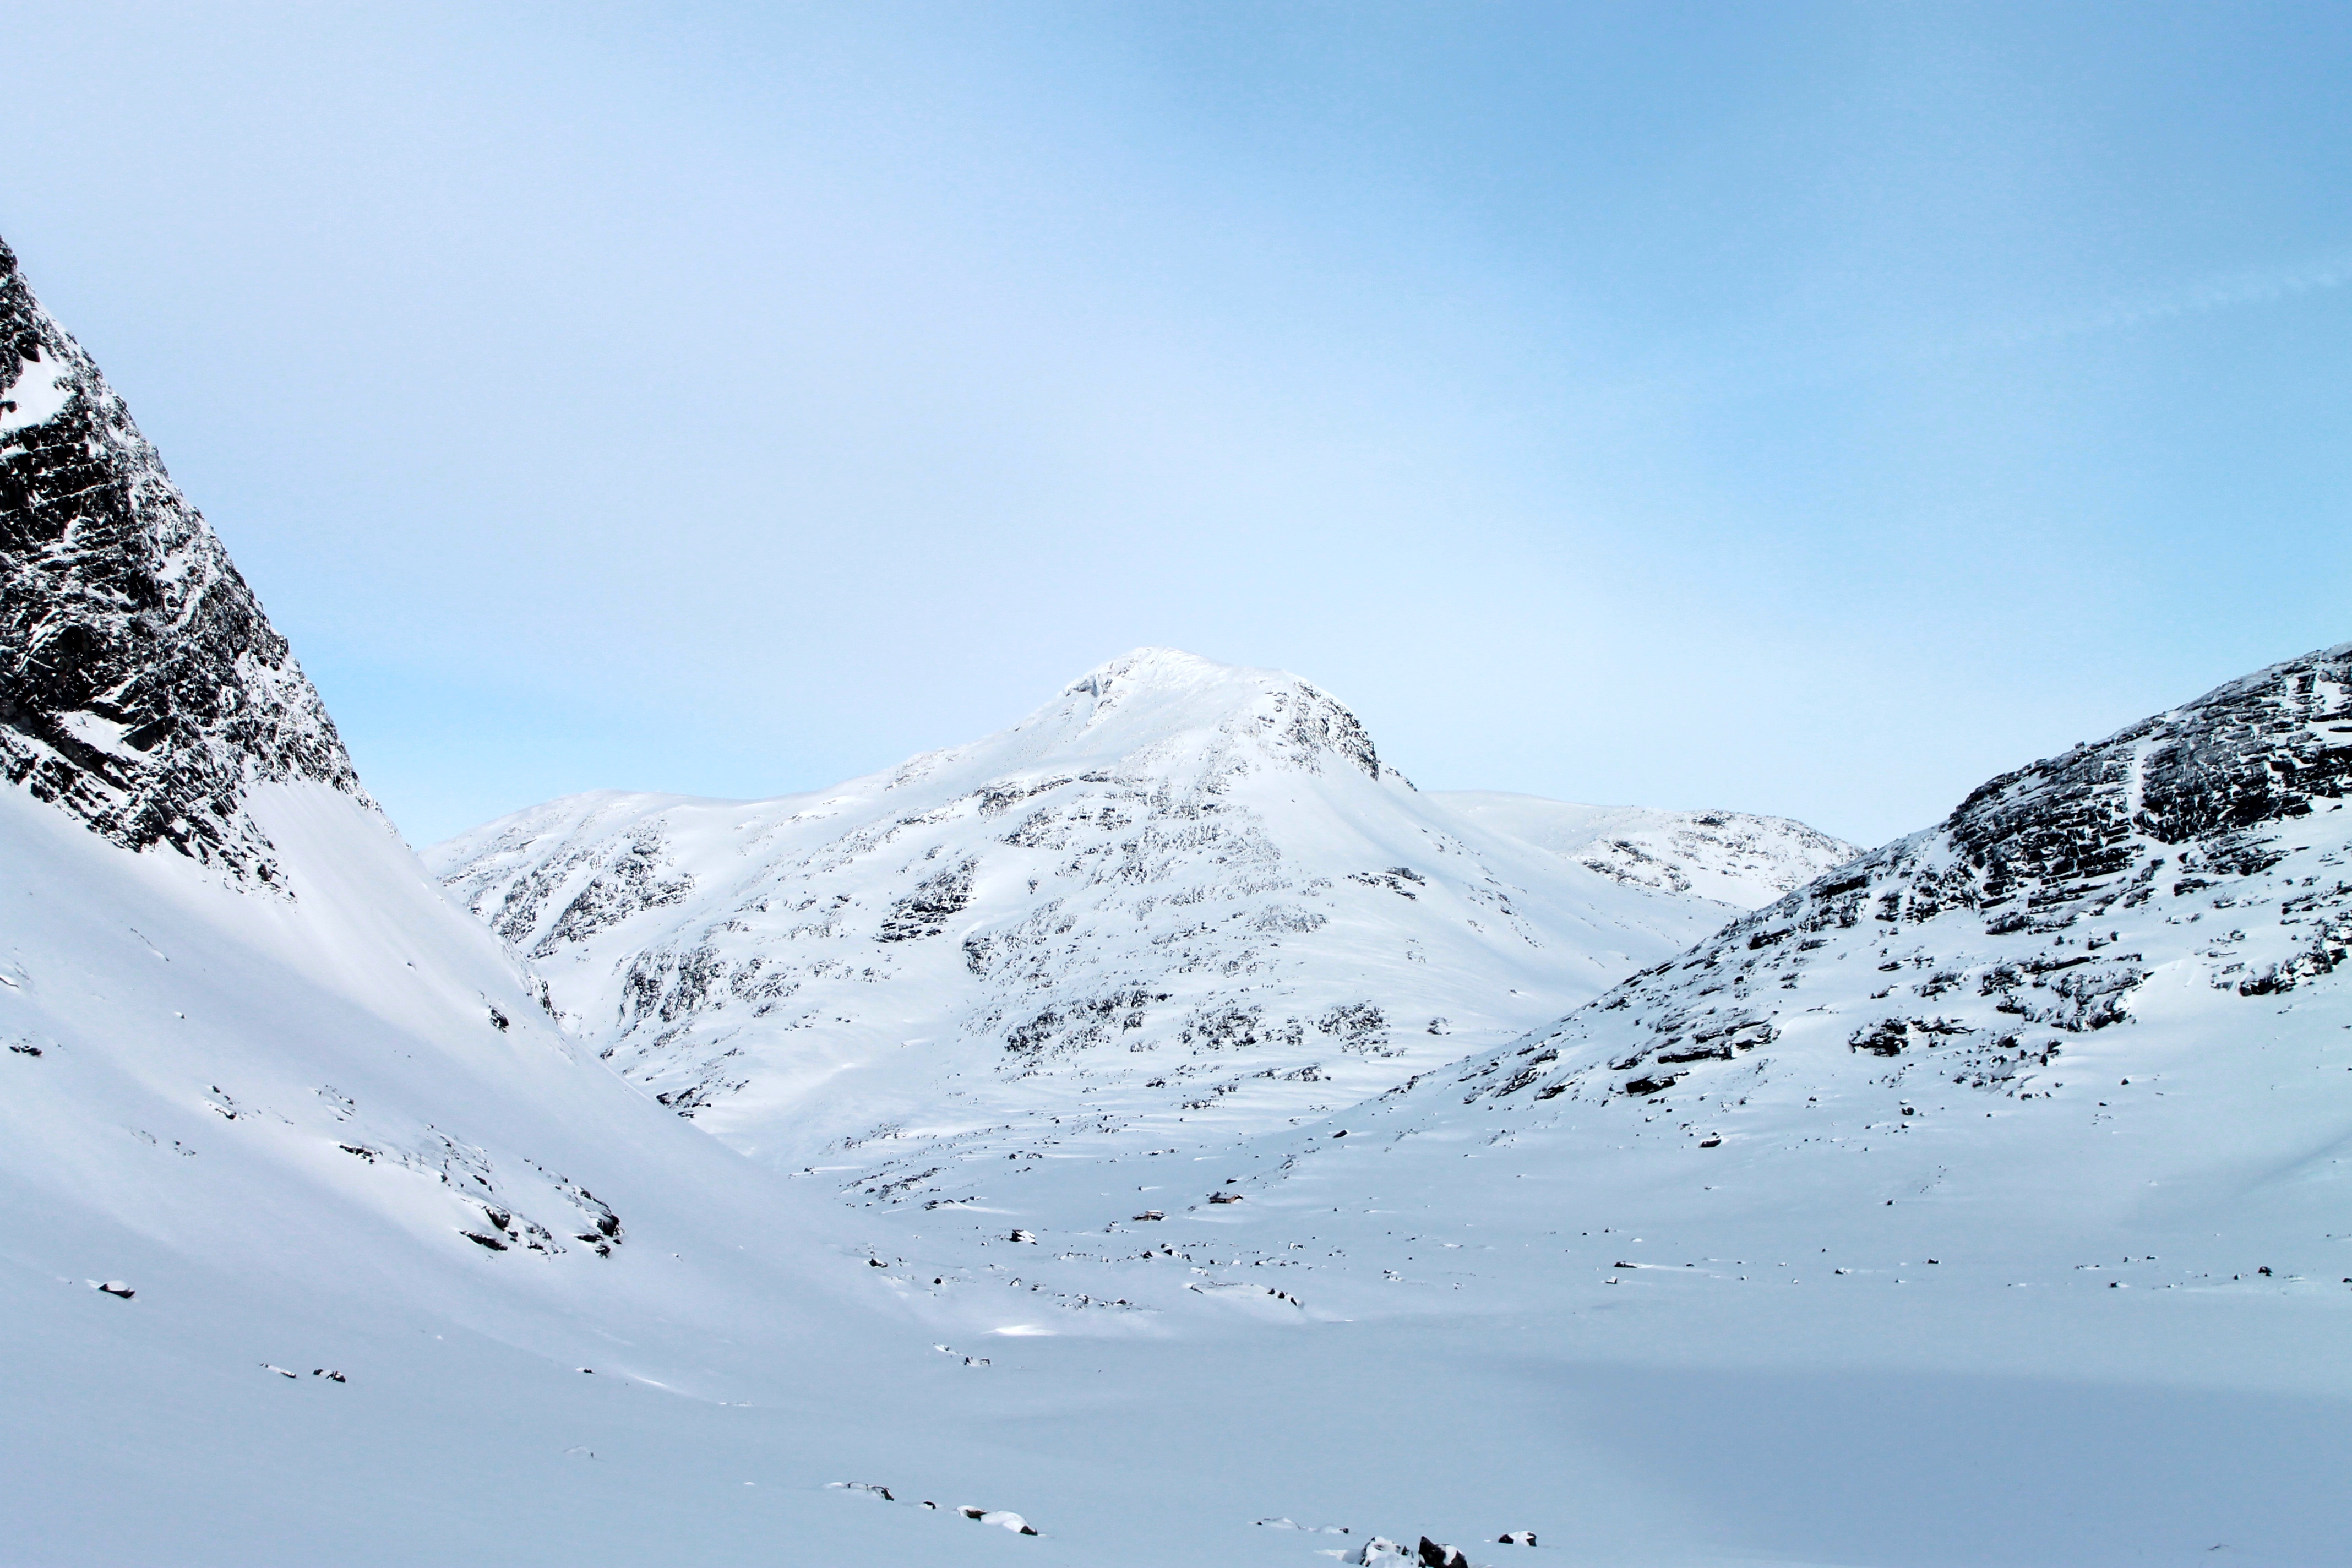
142 688
2202 848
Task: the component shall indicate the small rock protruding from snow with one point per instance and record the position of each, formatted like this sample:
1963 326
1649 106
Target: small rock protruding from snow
1517 1537
1002 1519
113 1287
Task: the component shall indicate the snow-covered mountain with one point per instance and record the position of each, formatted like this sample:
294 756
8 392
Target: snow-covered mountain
2091 1032
2189 867
1179 894
1733 858
183 812
2028 1133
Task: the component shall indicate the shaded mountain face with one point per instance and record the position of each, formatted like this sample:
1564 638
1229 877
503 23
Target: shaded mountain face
2201 852
141 689
1182 893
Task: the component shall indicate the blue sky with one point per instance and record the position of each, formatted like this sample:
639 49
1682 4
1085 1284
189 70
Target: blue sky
1808 408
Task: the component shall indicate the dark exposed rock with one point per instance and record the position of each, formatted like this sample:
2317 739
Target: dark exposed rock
141 689
2211 771
629 884
926 911
2211 805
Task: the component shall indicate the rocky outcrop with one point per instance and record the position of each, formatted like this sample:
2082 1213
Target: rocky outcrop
142 688
2204 840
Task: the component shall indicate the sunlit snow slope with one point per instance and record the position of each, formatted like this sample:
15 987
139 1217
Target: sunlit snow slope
294 1170
2182 880
1180 895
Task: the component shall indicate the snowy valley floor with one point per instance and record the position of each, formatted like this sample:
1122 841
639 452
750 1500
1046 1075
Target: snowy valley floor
2029 1397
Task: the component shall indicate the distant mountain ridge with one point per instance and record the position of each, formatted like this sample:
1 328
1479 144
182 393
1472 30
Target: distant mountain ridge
2092 1033
1734 857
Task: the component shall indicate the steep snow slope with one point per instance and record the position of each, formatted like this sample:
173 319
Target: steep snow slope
291 970
271 1110
1181 893
1732 857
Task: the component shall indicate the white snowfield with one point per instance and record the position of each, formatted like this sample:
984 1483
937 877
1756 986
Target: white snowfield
1182 897
1981 1201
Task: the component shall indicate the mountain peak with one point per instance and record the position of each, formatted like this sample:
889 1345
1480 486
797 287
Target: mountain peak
1151 699
142 688
1152 666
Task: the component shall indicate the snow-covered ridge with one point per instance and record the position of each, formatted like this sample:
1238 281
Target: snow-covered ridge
141 689
350 1071
1734 857
2200 852
1180 892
